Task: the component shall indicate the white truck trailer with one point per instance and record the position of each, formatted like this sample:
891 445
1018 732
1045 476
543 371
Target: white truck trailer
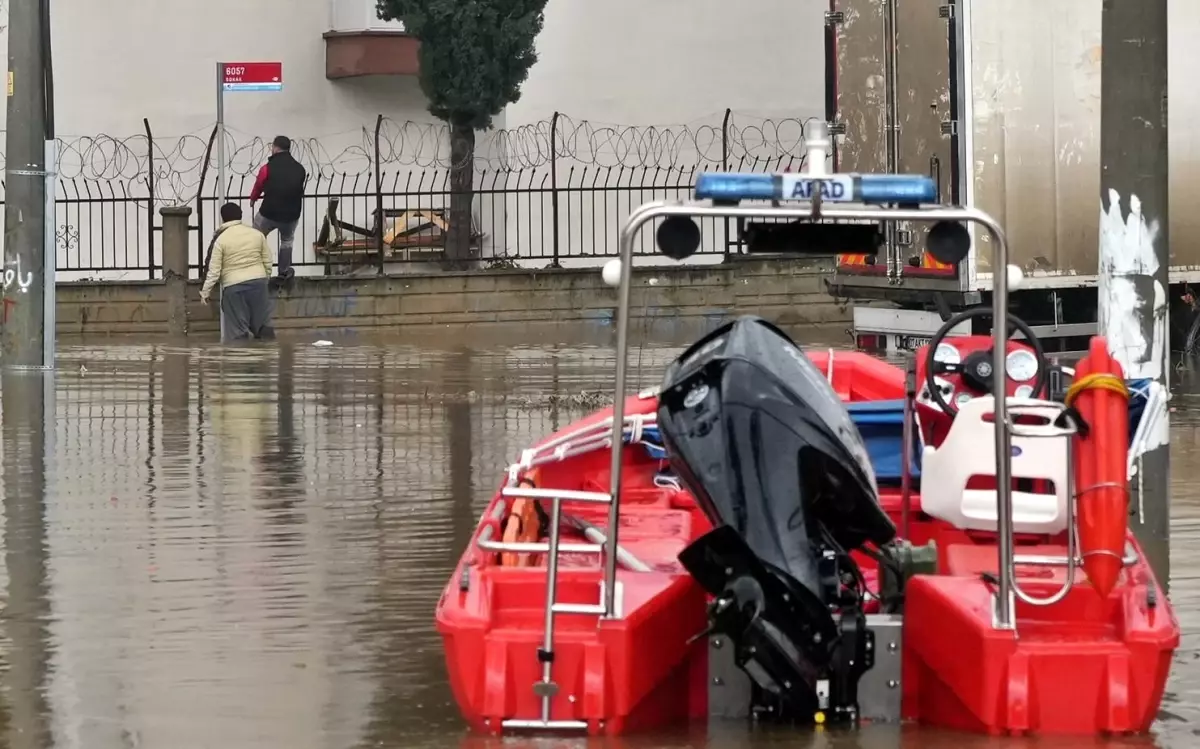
999 101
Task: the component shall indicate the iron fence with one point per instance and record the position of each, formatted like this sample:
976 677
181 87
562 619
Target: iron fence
551 193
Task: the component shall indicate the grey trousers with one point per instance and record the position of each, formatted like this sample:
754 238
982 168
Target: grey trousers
246 311
287 238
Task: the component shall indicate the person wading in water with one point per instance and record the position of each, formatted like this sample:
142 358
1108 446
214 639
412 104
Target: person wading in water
241 262
280 184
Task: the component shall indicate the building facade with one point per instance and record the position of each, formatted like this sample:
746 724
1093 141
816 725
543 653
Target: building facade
642 90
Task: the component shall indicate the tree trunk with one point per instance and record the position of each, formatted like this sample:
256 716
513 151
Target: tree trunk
462 192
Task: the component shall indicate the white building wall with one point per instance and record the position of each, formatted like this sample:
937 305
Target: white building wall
614 69
118 61
676 61
644 87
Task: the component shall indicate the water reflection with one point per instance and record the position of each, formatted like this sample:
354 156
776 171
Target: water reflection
868 737
26 396
243 546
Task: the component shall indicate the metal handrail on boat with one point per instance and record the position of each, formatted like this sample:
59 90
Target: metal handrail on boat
819 210
580 441
1046 560
1051 431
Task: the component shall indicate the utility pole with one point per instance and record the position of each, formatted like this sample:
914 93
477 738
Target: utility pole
23 315
1134 239
26 364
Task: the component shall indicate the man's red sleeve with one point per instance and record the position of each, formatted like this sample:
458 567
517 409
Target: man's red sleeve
259 182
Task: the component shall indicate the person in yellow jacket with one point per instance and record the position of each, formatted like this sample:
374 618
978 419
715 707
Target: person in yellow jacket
241 262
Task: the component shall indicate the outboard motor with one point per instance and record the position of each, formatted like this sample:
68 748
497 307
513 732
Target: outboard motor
758 435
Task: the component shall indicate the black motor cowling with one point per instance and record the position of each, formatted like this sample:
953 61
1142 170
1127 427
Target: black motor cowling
758 435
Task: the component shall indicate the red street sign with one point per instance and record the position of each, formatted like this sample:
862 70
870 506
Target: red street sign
252 76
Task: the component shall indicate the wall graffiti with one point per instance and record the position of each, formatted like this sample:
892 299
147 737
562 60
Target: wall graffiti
14 277
324 306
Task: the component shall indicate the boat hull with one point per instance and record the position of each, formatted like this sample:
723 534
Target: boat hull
614 676
1088 665
639 671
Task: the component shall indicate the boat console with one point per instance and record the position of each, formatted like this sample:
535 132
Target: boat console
951 371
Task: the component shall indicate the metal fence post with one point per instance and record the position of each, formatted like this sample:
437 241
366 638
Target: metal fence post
554 186
153 195
379 230
725 168
204 165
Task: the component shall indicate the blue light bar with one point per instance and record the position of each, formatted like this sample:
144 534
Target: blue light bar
906 189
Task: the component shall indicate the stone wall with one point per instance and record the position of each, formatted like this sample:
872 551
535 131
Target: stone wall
791 293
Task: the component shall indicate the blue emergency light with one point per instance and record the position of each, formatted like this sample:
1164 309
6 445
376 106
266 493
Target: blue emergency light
906 189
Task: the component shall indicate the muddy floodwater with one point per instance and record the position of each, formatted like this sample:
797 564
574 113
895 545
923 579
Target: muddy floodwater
242 547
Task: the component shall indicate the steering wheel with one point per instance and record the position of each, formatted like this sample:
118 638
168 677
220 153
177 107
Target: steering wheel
976 368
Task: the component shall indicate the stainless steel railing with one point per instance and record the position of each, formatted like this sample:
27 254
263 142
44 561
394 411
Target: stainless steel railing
813 211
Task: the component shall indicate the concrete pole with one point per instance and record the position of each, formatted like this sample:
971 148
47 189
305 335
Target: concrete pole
1134 241
24 204
175 265
28 397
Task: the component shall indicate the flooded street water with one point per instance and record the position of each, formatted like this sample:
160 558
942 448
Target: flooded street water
243 547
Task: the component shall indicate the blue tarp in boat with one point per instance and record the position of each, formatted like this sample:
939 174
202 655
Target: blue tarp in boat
881 424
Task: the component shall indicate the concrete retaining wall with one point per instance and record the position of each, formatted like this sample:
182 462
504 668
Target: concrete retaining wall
791 293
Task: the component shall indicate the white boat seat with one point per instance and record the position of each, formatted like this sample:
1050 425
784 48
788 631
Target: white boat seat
969 450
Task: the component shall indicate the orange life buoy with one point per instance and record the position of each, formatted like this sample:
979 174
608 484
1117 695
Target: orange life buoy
521 526
1101 397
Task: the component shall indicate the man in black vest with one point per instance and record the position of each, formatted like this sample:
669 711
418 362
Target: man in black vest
280 184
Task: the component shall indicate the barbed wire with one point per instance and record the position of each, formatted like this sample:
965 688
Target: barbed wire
178 165
585 142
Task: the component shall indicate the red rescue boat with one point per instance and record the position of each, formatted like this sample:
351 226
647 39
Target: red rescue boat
1094 662
814 538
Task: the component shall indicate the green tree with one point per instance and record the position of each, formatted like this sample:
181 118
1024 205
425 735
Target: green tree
475 54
